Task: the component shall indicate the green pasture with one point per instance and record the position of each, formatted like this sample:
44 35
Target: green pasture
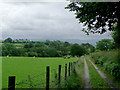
21 67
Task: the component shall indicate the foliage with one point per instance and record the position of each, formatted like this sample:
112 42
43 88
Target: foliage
33 48
113 69
109 60
96 15
105 44
29 45
8 49
78 50
116 36
72 81
31 54
8 40
88 47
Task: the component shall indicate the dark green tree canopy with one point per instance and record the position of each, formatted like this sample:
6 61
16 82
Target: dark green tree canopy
116 36
104 44
78 50
98 16
8 40
88 47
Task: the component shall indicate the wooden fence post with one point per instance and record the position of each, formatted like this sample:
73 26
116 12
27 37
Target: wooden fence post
11 85
29 79
71 66
47 77
74 63
59 75
65 71
69 69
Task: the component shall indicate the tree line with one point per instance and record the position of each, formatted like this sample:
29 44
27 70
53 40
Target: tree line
53 48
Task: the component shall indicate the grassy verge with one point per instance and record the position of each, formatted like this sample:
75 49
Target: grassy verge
95 79
110 77
76 79
72 81
109 63
80 72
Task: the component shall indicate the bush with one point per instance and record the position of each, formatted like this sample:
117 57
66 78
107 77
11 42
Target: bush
100 61
31 54
77 50
109 60
72 81
113 69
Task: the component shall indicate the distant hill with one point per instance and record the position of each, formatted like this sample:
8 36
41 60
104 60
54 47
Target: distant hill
92 42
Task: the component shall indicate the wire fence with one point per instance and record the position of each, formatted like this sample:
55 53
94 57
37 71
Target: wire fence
49 79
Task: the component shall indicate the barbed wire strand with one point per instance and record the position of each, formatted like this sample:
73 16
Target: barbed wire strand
37 76
38 84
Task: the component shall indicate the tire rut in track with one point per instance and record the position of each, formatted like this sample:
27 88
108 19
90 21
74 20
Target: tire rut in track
87 78
109 82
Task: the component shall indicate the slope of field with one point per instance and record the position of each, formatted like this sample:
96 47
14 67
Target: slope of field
21 67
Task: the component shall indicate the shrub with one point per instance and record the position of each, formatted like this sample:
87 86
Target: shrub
109 60
31 54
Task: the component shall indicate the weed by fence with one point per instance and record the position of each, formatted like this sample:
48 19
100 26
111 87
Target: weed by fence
40 81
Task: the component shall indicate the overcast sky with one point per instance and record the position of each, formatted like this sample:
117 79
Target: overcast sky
42 21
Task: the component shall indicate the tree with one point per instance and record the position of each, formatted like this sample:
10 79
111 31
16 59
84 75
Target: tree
97 15
76 49
105 44
116 36
29 45
88 47
8 49
31 54
8 40
51 51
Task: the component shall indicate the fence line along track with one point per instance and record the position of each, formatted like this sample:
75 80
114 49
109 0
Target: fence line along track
67 72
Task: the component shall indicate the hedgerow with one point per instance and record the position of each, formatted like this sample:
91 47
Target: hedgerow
109 60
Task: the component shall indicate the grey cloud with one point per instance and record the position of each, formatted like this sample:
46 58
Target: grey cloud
41 21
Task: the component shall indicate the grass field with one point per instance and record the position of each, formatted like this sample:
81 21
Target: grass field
21 67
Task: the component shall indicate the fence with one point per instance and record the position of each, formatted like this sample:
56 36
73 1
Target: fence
45 81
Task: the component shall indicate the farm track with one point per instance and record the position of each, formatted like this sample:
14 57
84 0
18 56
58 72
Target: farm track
87 77
109 82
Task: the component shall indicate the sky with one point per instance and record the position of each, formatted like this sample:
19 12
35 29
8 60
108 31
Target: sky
43 21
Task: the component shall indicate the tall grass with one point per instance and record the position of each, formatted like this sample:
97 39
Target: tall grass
108 56
76 79
110 61
72 81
